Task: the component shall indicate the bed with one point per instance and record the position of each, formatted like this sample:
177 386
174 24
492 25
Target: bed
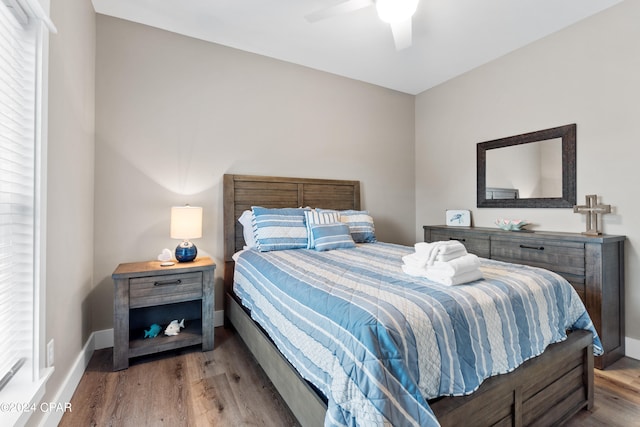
544 390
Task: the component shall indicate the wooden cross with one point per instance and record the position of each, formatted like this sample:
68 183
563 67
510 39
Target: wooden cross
592 209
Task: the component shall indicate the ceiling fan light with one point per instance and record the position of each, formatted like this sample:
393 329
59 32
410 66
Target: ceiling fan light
391 11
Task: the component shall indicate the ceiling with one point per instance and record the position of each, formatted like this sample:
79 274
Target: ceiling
450 37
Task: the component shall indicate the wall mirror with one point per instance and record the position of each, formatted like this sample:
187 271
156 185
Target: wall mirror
532 170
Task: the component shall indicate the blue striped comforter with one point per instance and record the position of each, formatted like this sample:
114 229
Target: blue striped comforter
378 343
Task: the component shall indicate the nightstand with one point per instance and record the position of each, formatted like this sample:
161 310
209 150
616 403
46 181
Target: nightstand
146 293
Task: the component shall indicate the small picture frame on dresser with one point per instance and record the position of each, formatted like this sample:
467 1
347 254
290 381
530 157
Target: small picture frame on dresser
458 218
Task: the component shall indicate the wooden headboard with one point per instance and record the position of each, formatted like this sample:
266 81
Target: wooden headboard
243 191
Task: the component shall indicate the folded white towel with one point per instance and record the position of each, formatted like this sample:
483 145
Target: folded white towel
443 279
450 246
451 255
463 264
428 253
424 247
414 271
418 260
457 279
446 248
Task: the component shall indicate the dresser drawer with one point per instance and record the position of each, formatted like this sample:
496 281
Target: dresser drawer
475 245
157 290
562 257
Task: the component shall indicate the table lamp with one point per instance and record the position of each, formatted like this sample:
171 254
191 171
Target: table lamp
186 223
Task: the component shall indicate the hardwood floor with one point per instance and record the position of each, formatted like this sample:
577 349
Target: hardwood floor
223 387
226 387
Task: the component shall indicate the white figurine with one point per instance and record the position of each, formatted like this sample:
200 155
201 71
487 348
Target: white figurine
165 255
174 328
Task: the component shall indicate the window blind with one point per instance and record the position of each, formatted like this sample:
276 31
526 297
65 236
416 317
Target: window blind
18 74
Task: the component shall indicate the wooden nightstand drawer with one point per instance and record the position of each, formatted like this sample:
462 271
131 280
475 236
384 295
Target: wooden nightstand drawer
147 291
561 257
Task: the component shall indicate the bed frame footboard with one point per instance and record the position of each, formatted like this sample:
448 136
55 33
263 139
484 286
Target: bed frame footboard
544 391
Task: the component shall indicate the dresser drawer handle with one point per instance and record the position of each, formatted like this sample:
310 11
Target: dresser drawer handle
167 282
537 248
459 240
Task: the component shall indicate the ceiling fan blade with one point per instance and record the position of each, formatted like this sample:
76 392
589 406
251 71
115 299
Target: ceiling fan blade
338 9
402 34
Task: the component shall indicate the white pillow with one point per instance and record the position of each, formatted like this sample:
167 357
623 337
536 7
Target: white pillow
247 229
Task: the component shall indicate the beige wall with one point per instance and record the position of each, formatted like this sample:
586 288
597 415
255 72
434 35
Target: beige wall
586 74
70 188
173 114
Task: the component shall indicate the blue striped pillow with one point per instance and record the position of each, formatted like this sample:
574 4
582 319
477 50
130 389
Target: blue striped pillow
332 236
279 229
314 217
360 224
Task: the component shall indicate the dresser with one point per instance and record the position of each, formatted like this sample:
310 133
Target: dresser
594 265
146 293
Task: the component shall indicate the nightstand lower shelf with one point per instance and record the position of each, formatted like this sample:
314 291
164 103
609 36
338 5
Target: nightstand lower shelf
190 335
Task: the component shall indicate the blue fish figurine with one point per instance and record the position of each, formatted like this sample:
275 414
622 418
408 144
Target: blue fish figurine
153 331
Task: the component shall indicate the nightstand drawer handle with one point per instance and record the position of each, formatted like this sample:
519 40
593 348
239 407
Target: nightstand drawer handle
459 240
537 248
167 282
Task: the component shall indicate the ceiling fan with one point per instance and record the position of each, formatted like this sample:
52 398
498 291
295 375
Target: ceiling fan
397 13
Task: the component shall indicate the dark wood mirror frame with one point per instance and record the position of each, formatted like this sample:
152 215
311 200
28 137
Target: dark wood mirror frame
568 199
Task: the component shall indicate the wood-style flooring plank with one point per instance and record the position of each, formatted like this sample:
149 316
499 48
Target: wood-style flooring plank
226 387
188 387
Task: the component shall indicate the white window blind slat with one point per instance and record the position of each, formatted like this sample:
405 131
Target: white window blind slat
18 72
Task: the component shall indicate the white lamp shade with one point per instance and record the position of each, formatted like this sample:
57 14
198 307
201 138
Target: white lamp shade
392 11
186 222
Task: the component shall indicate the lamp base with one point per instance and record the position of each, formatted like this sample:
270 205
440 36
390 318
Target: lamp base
186 251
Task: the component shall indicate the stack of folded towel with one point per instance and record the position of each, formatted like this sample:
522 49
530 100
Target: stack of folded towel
447 263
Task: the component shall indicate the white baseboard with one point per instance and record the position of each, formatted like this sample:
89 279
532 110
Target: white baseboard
71 381
98 340
103 339
632 348
218 318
